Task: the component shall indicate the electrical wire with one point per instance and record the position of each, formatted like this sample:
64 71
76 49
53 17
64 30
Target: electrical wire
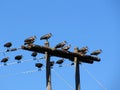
36 70
10 50
22 61
13 63
91 75
57 74
18 73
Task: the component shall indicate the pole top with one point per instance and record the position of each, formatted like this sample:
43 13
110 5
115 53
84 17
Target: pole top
46 43
76 49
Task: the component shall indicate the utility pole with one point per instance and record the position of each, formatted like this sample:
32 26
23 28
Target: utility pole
72 56
48 69
77 72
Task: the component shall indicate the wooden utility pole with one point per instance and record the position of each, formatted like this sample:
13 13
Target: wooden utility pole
77 72
48 69
72 56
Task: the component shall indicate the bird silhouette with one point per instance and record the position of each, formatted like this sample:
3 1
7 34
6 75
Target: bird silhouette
72 63
46 36
97 52
34 54
51 64
83 50
18 57
29 41
60 62
4 60
8 45
66 48
60 45
39 65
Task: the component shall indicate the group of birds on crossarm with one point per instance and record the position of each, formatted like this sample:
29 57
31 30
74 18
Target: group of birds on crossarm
29 42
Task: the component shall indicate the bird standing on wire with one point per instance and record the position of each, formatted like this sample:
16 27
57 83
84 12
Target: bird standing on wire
18 57
60 62
29 41
60 45
51 64
8 45
39 65
97 52
34 54
4 60
46 36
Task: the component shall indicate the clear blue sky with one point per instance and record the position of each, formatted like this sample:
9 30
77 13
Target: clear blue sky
92 23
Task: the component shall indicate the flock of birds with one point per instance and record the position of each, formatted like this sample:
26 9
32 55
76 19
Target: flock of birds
30 42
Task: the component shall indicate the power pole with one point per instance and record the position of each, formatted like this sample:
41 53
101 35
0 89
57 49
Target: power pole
77 72
48 69
72 56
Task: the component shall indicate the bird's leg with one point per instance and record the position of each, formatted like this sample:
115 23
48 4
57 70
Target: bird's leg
39 69
60 65
51 67
34 58
19 62
5 63
8 49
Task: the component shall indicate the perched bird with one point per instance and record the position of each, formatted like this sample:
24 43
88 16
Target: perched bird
30 40
4 60
52 63
60 45
46 36
39 65
18 57
72 63
96 52
8 45
60 62
34 54
83 50
66 48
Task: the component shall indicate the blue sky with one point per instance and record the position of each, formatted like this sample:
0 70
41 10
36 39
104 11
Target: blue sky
93 23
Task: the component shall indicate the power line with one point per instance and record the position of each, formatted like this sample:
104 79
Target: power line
18 73
11 50
93 77
27 71
22 61
66 82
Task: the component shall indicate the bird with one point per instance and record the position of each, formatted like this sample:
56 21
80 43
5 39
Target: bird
72 63
46 36
18 57
60 62
51 64
97 52
39 65
34 54
60 45
8 45
66 48
83 50
4 60
29 41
